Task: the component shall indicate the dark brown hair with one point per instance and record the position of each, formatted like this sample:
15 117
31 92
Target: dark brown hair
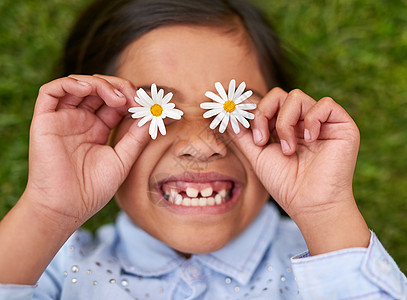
107 27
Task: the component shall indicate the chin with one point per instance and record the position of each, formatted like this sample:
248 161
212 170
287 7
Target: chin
194 213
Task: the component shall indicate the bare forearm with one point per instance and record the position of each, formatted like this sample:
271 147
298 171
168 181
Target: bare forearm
334 229
28 242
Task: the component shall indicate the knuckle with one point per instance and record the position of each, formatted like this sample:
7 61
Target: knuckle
43 89
258 113
280 126
46 87
277 90
100 78
274 93
327 100
126 84
295 93
309 118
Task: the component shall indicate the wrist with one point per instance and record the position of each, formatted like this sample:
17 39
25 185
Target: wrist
35 204
30 239
339 227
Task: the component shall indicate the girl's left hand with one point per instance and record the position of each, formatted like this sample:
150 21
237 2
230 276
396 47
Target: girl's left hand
309 172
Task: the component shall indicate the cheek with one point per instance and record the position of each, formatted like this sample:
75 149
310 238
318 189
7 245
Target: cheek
133 197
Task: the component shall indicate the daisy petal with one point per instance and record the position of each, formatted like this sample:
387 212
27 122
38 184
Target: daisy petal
144 96
217 120
169 106
214 97
242 120
245 114
154 92
235 124
161 126
240 90
212 112
221 91
167 98
210 105
136 109
153 128
140 114
231 92
224 123
160 96
246 106
144 120
244 97
174 114
142 102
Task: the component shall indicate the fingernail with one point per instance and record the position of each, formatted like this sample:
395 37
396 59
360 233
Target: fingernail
285 146
83 83
118 93
307 135
257 136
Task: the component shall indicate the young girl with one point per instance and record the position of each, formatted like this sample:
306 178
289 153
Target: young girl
195 222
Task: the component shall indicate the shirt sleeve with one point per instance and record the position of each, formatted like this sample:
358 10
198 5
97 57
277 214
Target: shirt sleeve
48 286
354 273
16 292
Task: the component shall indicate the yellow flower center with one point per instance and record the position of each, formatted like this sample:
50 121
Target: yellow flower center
229 106
156 110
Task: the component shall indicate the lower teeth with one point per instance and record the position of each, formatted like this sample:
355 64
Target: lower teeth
177 199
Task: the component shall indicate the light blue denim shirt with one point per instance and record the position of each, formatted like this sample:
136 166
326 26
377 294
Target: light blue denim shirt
123 262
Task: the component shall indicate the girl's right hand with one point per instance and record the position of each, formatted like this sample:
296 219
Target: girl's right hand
73 172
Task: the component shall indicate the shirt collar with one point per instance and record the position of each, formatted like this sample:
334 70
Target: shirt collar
143 255
241 257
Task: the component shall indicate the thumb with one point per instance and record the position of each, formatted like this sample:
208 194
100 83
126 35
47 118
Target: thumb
131 144
264 159
244 141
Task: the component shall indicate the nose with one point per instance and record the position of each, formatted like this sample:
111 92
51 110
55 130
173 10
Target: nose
197 142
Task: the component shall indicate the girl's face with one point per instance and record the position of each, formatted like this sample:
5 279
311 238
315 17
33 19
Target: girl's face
191 158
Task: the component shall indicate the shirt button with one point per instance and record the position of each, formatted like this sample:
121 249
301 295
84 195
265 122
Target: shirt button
383 266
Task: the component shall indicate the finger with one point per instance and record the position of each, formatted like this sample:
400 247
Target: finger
264 120
125 86
328 120
109 93
253 153
111 116
50 93
91 103
291 115
244 141
131 144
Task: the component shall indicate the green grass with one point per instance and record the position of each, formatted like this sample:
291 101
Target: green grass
354 51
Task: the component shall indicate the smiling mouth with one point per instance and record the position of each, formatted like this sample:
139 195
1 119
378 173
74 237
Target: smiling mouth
197 194
202 191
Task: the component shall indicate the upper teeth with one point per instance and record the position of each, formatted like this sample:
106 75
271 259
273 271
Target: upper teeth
206 192
191 192
192 197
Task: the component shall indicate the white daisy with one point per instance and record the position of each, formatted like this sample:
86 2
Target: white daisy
228 107
154 109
